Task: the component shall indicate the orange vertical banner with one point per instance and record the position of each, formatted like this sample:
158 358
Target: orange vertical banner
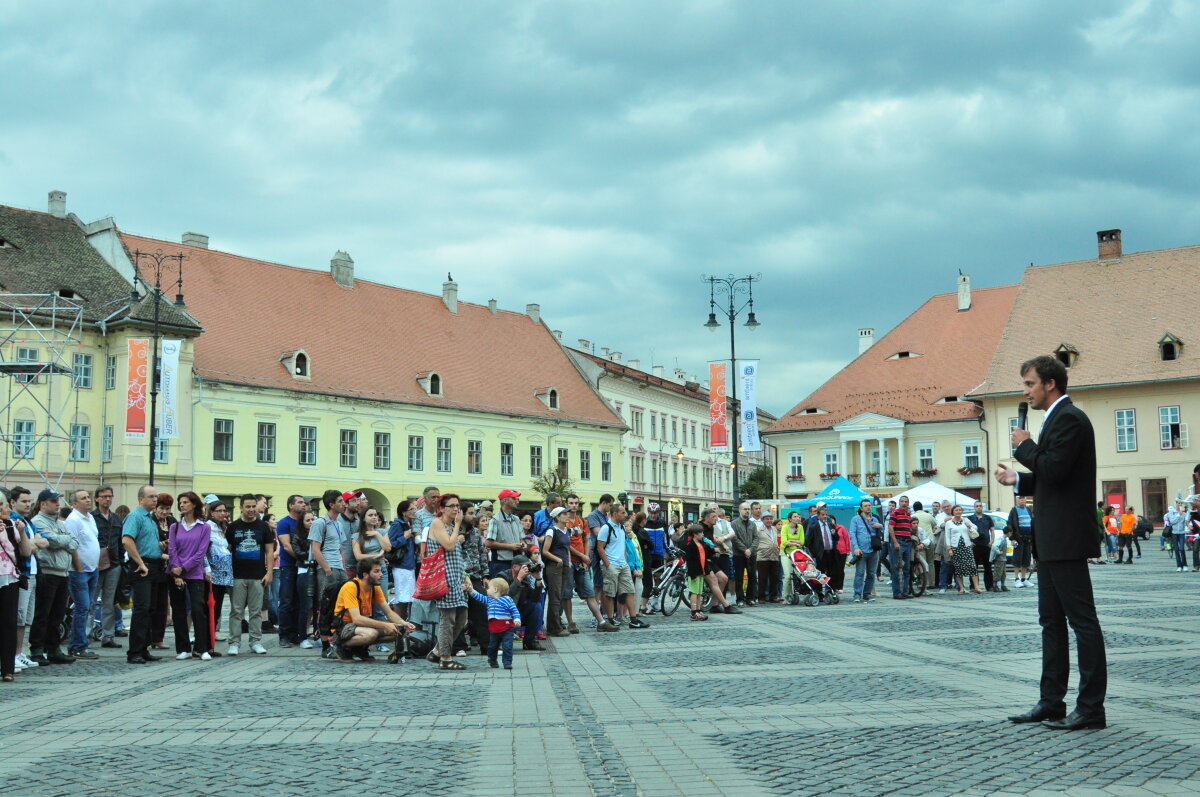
135 404
718 434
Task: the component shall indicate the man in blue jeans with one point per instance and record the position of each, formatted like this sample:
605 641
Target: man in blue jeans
866 555
84 578
900 529
292 623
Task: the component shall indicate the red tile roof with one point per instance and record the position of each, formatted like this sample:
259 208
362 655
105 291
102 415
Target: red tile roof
1113 312
956 349
371 341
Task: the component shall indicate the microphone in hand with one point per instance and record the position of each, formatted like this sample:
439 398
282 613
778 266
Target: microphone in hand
1023 415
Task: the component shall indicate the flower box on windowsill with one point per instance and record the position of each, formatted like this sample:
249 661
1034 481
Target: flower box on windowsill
924 473
828 477
971 470
796 477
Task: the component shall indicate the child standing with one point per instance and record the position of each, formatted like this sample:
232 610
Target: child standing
503 618
696 558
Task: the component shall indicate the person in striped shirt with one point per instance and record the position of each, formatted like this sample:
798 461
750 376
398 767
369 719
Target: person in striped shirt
503 618
900 529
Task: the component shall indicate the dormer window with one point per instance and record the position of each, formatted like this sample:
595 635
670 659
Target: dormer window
549 396
949 400
297 364
812 411
1169 348
67 293
431 382
904 355
1066 354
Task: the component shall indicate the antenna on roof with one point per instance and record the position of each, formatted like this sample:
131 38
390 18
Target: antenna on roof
960 272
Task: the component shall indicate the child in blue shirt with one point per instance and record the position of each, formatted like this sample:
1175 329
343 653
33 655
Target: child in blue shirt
503 618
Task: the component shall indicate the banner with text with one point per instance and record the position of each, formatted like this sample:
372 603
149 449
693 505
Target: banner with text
168 425
748 370
718 430
135 399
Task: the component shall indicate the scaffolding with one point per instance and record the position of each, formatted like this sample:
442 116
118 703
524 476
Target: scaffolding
40 333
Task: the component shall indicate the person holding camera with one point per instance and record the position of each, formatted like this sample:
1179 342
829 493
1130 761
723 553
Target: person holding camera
524 578
866 537
356 627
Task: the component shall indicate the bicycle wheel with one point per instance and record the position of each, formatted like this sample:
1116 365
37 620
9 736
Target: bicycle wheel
670 597
918 581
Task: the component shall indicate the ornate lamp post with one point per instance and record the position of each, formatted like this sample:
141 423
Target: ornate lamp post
732 287
159 263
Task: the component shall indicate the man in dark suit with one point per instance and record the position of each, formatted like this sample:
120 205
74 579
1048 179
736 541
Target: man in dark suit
1062 478
821 539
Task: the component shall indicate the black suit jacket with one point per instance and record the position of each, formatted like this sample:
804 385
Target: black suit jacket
1062 480
815 542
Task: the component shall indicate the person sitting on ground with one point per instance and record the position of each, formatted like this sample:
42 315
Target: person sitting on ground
503 618
357 601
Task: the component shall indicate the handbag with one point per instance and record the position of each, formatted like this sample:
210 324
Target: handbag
431 581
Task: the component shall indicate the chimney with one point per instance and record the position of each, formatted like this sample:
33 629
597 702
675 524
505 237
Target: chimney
58 204
535 312
492 306
635 364
1108 241
616 357
866 338
604 352
194 239
557 334
679 374
450 293
342 268
964 292
658 371
585 344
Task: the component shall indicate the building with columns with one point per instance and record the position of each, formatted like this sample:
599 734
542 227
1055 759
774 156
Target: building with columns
899 415
666 448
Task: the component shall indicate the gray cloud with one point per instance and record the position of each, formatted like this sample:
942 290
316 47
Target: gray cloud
598 158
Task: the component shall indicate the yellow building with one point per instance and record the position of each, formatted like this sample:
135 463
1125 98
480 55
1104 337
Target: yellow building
1126 329
66 317
898 415
307 380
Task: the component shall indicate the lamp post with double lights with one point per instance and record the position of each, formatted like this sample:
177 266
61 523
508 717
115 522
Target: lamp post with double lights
159 263
662 470
732 287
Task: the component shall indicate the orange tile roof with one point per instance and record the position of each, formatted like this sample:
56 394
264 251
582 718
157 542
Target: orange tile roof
956 349
371 341
1113 312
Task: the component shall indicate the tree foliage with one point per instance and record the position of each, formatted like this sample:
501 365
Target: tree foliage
552 481
759 484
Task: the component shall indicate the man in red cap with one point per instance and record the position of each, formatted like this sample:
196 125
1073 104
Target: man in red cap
505 537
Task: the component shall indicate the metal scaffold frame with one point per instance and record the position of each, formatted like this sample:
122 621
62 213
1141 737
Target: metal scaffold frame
52 324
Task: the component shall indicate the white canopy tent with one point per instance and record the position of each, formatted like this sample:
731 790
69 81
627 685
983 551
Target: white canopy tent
931 491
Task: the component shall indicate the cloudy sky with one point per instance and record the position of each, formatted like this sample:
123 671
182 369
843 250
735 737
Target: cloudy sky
600 157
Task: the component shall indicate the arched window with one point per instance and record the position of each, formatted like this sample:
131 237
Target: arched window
435 385
553 399
301 364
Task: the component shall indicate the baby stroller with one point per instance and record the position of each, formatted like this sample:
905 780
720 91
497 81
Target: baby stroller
809 584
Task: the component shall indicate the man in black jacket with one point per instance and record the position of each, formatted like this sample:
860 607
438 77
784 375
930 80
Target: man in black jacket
743 556
108 530
1062 478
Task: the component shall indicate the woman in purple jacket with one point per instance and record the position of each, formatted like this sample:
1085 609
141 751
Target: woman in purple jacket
187 546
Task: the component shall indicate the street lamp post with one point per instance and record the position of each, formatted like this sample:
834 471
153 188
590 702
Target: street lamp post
733 287
662 470
158 262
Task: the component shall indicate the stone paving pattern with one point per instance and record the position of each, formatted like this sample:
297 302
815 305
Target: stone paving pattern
892 697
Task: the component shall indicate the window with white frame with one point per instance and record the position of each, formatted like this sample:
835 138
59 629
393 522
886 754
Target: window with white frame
685 477
971 454
161 448
475 456
444 454
81 364
706 435
81 442
266 442
653 426
307 445
875 461
535 461
1012 425
675 474
585 465
675 431
27 355
110 372
348 448
1170 430
795 463
636 464
925 456
830 458
635 421
383 451
1126 430
416 452
506 459
693 434
606 466
223 439
106 445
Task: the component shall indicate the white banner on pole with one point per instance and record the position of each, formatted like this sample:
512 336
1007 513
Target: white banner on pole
168 428
748 373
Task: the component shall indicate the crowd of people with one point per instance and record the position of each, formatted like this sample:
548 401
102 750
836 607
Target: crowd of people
332 573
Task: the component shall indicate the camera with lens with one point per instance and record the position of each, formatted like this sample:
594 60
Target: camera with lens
535 568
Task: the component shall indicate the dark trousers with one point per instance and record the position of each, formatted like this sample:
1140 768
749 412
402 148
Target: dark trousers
742 564
529 615
767 582
289 605
8 628
837 571
500 643
194 592
145 591
477 617
983 556
1065 596
653 562
158 611
45 635
1124 543
219 591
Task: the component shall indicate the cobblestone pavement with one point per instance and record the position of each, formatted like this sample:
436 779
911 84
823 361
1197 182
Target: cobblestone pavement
892 697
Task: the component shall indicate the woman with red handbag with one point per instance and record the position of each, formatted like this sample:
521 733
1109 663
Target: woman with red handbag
441 579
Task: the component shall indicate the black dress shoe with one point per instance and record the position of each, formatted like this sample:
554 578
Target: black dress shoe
111 644
534 646
1039 713
136 660
1076 722
149 657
